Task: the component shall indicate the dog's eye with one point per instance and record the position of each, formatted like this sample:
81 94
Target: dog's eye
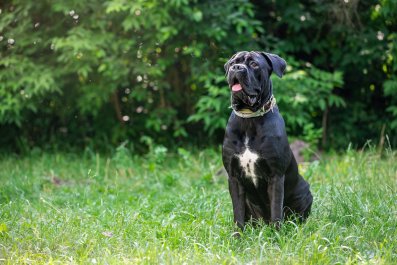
254 64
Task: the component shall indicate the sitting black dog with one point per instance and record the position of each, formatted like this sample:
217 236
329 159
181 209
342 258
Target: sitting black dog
264 182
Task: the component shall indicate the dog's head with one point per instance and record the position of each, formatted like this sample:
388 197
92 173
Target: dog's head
248 75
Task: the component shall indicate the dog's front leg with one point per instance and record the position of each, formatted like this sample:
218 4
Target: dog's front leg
238 200
275 191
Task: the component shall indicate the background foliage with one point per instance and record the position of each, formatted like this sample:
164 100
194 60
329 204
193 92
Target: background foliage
97 73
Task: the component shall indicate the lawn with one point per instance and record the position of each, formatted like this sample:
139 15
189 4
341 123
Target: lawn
174 208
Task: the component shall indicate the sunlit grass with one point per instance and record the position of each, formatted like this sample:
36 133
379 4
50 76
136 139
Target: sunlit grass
175 208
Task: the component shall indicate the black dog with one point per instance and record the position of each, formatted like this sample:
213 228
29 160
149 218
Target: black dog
264 182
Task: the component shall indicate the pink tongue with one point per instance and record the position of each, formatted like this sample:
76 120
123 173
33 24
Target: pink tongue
236 87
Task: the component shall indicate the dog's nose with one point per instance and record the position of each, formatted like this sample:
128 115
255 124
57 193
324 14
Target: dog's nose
238 67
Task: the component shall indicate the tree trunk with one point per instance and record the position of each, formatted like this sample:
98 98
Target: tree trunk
324 126
117 107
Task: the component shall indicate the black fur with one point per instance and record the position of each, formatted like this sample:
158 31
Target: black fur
280 190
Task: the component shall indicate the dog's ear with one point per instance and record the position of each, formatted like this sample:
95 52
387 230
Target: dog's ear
276 63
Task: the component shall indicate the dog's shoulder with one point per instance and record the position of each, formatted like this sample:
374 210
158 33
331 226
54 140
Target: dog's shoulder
273 125
274 141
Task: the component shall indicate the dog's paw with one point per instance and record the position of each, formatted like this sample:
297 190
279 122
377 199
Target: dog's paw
276 224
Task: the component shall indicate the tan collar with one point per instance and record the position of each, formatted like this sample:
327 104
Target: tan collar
247 113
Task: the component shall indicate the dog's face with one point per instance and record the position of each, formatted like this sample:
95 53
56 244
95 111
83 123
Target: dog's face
248 75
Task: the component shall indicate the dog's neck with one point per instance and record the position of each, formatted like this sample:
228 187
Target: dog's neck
247 113
267 93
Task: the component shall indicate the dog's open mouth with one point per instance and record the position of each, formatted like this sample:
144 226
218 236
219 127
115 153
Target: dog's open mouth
236 85
250 99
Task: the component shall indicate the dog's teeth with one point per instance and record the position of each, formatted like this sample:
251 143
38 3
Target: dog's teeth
252 100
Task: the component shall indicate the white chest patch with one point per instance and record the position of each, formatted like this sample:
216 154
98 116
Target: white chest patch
247 162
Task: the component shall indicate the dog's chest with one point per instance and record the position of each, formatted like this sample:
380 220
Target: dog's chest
248 158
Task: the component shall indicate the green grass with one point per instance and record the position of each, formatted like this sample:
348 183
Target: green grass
174 209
